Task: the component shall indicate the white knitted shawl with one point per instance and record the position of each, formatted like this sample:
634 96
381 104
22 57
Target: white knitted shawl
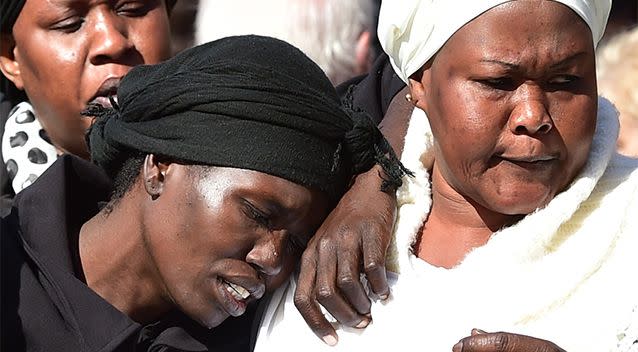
565 273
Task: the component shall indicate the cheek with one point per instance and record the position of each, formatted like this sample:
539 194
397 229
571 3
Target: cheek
151 37
577 130
466 132
48 67
52 75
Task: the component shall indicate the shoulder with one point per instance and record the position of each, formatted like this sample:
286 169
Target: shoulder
622 171
617 190
68 177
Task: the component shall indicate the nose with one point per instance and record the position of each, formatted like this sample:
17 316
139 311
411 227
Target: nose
530 114
110 40
268 253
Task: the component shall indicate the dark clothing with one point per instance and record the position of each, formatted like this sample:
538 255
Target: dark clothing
46 306
6 191
374 91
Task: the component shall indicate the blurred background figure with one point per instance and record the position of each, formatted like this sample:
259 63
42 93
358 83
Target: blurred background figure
623 16
183 24
340 36
617 66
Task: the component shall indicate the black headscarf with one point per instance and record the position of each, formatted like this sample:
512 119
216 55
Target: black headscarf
248 102
10 10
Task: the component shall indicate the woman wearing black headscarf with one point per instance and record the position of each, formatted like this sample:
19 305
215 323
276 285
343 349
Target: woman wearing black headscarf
225 160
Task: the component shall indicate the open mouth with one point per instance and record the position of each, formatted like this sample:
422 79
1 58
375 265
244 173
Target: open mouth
105 101
107 92
236 291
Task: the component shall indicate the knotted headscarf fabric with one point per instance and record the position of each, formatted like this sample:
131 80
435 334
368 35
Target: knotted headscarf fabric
248 102
435 21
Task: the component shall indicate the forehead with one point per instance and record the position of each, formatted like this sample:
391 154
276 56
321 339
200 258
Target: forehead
514 29
40 4
217 182
34 9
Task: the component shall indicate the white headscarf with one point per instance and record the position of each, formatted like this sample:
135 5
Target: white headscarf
438 20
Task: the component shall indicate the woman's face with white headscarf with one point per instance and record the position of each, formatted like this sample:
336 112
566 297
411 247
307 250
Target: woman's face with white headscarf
511 98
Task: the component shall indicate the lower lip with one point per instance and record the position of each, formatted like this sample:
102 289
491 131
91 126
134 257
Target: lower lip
533 165
231 305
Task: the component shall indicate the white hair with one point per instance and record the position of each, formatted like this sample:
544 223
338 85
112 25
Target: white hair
325 30
617 70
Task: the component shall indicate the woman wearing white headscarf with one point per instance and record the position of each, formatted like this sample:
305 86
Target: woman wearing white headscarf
521 219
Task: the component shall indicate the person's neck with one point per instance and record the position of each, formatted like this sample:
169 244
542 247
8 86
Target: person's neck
117 265
455 225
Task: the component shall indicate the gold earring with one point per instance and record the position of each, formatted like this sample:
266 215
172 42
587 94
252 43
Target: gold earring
408 97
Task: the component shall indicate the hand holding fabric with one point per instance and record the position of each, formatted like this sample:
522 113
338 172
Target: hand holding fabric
481 341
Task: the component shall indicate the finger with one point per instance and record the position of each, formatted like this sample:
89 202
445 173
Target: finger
348 279
305 300
504 342
374 252
327 293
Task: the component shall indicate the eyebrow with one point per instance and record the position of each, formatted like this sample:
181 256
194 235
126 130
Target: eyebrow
515 66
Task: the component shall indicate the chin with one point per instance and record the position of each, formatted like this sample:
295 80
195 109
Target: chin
521 203
211 321
206 315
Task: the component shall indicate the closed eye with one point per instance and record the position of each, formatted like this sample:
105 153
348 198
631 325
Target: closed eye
499 83
68 25
135 8
563 81
255 214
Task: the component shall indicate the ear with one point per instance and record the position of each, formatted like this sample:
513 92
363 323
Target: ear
362 53
154 173
419 83
8 65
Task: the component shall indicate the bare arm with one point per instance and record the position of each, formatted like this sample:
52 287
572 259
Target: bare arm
353 239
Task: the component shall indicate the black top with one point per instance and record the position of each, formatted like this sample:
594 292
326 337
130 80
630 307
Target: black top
46 306
374 91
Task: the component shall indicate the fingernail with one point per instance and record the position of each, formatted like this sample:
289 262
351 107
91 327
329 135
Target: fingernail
329 340
476 331
458 347
384 296
363 323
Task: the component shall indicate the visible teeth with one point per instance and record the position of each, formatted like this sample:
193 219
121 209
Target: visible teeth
237 291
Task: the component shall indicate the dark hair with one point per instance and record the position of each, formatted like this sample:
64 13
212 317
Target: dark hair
125 177
125 173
